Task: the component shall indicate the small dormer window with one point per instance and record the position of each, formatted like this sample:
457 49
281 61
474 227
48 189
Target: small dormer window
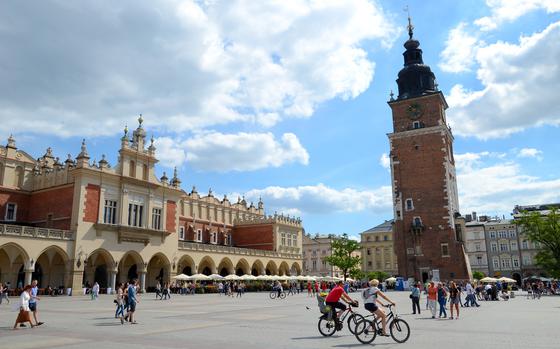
416 125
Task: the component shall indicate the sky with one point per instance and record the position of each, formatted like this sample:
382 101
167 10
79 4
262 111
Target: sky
286 100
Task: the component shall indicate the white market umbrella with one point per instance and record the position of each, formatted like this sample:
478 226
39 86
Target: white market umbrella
232 277
488 279
391 279
199 277
263 278
301 278
248 277
328 278
311 278
274 278
181 277
506 279
216 277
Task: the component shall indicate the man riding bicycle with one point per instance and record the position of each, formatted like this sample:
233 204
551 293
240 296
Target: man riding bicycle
333 300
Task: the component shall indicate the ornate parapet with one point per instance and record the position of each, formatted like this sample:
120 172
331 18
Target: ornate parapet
192 246
276 219
34 232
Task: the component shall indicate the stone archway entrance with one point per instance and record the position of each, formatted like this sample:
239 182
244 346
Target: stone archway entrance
98 266
51 268
159 270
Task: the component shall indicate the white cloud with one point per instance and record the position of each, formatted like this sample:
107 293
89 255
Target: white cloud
321 199
530 153
491 184
186 65
215 151
503 11
384 161
460 50
520 88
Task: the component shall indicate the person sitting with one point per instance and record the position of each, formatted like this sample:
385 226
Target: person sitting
370 296
333 300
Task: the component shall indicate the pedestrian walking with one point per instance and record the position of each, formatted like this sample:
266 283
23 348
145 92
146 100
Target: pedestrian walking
4 293
33 302
415 298
119 300
95 291
240 288
132 301
432 298
454 299
442 300
24 310
158 291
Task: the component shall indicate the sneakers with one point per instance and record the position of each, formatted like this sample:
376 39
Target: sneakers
40 323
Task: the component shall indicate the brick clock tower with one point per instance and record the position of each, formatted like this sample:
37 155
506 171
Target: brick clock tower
428 230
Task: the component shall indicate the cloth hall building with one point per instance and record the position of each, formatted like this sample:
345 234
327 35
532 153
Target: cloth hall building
76 222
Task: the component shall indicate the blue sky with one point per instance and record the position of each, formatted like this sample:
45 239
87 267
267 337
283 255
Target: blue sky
287 100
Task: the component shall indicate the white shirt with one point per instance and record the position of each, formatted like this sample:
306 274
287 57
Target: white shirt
24 300
470 289
371 293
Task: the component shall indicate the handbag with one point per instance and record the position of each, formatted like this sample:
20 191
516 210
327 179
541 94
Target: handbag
410 296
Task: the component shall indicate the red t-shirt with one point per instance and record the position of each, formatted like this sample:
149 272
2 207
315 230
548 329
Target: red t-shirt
335 294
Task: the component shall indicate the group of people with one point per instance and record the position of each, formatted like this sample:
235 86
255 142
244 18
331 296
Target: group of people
28 307
126 298
231 289
371 295
538 288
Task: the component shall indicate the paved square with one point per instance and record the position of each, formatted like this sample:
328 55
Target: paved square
255 321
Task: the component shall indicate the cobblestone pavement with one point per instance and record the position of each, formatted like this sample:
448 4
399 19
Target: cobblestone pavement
255 321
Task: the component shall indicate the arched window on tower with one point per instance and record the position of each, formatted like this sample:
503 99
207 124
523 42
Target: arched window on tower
132 169
18 177
145 172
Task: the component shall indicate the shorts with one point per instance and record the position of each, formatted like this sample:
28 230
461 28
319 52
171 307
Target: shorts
32 306
372 307
132 306
454 300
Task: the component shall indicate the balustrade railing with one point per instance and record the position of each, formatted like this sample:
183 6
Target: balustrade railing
193 246
35 232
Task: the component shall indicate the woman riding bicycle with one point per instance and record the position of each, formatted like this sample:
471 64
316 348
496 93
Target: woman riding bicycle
370 296
333 300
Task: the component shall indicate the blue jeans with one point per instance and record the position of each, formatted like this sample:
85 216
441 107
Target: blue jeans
120 310
442 309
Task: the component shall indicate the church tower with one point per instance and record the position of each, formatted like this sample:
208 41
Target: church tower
428 228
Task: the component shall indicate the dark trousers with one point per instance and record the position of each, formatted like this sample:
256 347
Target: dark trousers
415 304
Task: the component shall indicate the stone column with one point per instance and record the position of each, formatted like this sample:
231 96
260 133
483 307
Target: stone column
142 281
113 282
28 276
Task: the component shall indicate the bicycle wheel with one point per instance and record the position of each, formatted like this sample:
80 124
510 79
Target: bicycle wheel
365 331
400 331
272 295
353 321
326 327
282 295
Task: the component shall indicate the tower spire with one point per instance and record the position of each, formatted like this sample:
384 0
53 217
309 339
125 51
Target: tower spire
410 27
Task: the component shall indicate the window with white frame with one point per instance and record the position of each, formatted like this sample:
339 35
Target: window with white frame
506 263
11 212
496 262
156 218
492 234
135 214
512 233
513 245
525 244
294 240
110 212
214 237
283 239
527 260
479 260
181 233
409 204
477 246
314 263
199 235
503 246
515 261
289 240
494 247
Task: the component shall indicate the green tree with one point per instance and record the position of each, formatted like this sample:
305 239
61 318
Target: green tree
357 274
379 275
544 229
478 275
341 255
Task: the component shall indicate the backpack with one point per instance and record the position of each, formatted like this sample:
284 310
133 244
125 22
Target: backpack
365 294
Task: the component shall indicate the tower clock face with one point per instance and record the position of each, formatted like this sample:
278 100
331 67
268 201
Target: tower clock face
414 111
